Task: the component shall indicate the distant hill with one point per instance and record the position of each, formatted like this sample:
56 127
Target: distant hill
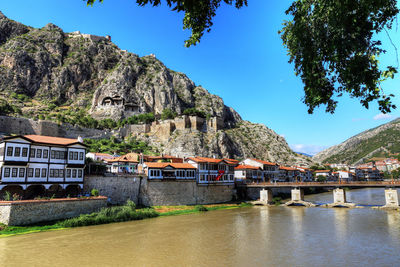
304 154
381 141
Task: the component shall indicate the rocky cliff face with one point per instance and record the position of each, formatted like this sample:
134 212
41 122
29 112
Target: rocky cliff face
47 68
382 141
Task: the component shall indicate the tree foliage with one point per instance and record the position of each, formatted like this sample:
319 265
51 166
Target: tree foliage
333 50
198 13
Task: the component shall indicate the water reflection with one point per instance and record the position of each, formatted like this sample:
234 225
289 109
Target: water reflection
341 224
255 236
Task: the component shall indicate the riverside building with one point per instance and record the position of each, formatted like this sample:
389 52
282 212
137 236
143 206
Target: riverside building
213 171
33 164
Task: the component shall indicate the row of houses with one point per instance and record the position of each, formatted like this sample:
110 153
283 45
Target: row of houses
53 162
356 174
207 170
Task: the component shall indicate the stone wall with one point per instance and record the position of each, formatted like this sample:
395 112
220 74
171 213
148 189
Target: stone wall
135 129
13 125
27 212
118 189
154 192
183 193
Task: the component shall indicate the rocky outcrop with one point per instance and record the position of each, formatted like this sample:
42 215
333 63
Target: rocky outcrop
380 141
54 75
90 72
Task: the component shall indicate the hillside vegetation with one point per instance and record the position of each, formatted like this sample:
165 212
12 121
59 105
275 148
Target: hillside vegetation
382 141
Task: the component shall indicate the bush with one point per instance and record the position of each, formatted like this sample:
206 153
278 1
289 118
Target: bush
194 112
277 201
321 178
95 192
201 208
7 196
168 114
127 212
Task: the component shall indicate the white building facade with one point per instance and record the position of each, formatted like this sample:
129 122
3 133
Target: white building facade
27 160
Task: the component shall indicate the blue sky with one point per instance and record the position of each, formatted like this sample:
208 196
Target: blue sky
242 60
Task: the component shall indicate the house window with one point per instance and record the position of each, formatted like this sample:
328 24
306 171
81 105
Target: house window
44 172
75 155
68 173
45 153
39 153
37 172
6 172
51 172
22 172
30 172
14 172
33 152
71 155
79 173
25 152
61 173
9 151
80 155
58 156
74 173
17 152
53 154
56 173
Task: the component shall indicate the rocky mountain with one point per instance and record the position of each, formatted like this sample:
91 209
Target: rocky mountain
49 74
382 141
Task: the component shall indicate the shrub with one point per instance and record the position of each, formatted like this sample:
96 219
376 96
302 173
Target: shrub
201 208
277 201
15 197
168 114
7 196
109 215
95 192
194 112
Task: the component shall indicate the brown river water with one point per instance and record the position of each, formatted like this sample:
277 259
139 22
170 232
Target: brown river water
253 236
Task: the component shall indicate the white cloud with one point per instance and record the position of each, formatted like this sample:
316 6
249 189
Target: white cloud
308 149
382 116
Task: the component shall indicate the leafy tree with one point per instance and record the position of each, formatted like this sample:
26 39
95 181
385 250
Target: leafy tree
194 112
333 50
198 14
321 178
168 114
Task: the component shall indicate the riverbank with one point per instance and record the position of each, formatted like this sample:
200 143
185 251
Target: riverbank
124 213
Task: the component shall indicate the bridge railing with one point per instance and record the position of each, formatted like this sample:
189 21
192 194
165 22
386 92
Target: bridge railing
327 183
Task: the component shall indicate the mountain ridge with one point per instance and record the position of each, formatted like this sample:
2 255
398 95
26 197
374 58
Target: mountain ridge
380 141
87 80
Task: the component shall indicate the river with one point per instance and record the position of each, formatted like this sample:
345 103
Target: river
253 236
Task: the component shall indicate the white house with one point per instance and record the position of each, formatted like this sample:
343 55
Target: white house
270 169
168 171
346 176
247 173
213 171
29 160
127 164
95 156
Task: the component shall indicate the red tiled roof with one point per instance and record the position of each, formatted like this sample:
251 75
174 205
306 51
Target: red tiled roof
130 157
264 162
101 154
323 171
47 139
162 165
209 160
246 167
